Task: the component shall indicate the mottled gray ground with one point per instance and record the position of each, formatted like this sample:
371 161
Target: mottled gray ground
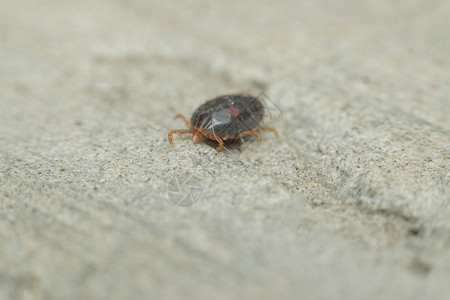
353 202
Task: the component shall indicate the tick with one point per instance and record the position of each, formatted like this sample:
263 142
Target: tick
227 117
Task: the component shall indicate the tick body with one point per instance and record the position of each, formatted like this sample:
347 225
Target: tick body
227 117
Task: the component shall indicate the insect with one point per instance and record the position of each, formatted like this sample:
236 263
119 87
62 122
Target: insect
227 117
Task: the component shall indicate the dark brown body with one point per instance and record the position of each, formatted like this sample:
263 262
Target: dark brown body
225 117
228 116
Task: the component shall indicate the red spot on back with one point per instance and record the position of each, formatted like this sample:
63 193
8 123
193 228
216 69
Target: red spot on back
234 111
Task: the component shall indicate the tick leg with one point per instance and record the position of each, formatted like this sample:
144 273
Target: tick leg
269 128
220 143
250 132
177 131
184 119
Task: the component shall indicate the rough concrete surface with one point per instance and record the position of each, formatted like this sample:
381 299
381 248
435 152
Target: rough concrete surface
351 203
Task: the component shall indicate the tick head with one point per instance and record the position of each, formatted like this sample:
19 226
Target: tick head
196 134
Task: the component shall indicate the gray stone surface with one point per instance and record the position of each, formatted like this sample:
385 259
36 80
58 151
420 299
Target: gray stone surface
353 202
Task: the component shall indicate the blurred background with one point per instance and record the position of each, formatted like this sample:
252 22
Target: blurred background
352 203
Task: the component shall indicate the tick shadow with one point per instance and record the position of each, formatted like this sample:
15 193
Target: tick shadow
232 146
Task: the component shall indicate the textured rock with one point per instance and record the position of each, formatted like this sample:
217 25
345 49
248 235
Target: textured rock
353 202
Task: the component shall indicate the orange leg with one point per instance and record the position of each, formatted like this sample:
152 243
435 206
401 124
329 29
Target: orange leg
188 125
220 143
250 132
269 128
177 131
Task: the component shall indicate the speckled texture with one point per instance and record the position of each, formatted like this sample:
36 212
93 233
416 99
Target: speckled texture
352 203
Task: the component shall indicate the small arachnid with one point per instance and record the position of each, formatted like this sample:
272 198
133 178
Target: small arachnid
227 117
